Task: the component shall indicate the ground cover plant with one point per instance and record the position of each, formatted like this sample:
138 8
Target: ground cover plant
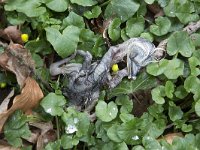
158 110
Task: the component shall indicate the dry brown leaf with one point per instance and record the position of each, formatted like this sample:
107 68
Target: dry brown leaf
11 33
4 104
170 137
18 60
28 99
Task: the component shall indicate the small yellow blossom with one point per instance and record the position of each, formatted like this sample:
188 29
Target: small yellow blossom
24 37
115 68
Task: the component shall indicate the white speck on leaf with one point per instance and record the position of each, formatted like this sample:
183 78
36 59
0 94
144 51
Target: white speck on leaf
135 137
76 120
49 110
71 129
110 114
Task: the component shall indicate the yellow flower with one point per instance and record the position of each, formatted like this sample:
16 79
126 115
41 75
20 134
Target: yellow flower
2 85
115 68
24 37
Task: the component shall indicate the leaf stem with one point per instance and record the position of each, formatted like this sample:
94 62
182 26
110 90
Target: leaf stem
57 128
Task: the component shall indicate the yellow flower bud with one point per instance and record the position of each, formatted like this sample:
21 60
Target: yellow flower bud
24 37
115 68
2 85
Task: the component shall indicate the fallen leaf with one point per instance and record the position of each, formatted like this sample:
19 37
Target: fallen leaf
29 98
11 33
18 60
4 104
170 137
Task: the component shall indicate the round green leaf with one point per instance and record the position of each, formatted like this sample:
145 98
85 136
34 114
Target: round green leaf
147 36
106 112
53 104
149 1
180 42
112 133
57 5
84 2
94 13
197 107
65 43
157 94
122 9
135 26
175 113
169 89
161 27
114 30
68 141
181 92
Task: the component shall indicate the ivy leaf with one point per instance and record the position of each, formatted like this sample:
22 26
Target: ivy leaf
142 82
158 93
32 8
180 42
57 5
84 2
94 13
135 26
151 143
175 112
161 27
64 44
127 104
122 9
73 19
192 85
53 104
15 128
106 112
114 30
169 89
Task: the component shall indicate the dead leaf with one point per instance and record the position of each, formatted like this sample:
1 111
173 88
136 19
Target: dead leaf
170 137
11 33
28 99
4 104
18 60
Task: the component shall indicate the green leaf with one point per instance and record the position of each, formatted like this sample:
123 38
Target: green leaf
194 63
150 143
142 82
161 27
135 26
147 35
169 89
114 30
53 104
112 133
138 147
175 112
157 68
186 128
127 104
94 13
64 44
73 19
123 9
68 141
180 42
121 146
192 85
197 107
16 18
57 5
158 93
149 1
196 39
76 122
124 117
174 69
32 8
106 112
16 128
181 92
53 145
84 2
